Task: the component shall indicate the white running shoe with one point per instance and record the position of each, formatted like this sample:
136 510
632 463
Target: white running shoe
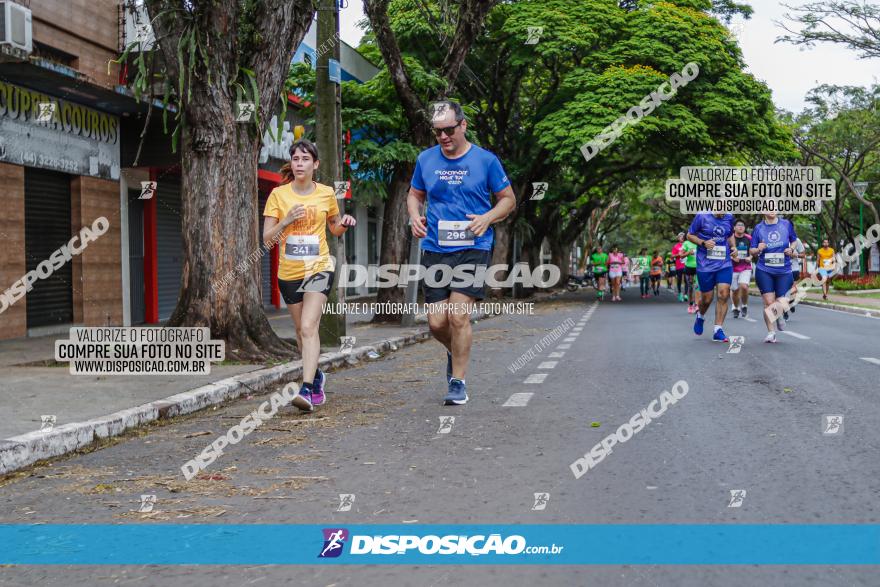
771 337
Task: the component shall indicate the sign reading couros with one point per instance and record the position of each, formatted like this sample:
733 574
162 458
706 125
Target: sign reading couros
44 131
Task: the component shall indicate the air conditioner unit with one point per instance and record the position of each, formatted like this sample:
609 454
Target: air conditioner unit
15 26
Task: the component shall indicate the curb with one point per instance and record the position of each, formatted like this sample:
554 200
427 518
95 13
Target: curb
840 308
26 449
832 306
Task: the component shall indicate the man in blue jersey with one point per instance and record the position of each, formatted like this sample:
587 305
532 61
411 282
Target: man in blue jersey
458 179
716 246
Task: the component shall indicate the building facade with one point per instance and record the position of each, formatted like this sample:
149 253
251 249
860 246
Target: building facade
70 131
60 166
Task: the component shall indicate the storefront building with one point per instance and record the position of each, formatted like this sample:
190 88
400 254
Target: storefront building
59 166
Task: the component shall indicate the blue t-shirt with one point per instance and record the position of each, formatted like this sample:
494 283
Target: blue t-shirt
708 226
456 188
777 237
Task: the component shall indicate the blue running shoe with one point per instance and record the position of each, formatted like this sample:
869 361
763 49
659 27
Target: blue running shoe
318 397
457 394
720 336
303 400
698 325
448 367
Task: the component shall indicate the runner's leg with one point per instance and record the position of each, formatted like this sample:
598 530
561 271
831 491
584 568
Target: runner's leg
721 304
459 319
310 311
769 298
438 324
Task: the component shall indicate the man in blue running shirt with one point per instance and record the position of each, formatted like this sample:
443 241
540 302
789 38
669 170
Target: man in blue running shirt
458 179
713 235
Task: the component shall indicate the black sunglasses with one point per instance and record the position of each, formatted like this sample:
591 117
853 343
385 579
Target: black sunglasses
448 131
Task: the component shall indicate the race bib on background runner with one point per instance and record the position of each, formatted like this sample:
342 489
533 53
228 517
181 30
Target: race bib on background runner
718 252
299 247
774 259
826 263
454 233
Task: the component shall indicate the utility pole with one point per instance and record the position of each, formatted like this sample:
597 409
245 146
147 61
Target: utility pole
861 188
329 138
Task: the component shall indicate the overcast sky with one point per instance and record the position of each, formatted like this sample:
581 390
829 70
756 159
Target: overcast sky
789 71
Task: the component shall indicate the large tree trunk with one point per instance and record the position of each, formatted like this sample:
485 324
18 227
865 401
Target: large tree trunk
559 256
395 236
219 235
220 228
502 251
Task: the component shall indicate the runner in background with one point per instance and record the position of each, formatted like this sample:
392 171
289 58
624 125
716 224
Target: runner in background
742 271
457 179
599 260
656 272
670 270
615 271
689 255
640 270
772 241
798 254
303 210
626 274
679 265
825 263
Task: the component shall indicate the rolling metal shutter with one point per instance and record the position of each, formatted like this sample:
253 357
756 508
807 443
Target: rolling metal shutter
136 256
47 227
169 245
266 259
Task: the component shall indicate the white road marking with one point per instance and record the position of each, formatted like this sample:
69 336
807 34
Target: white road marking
795 334
536 378
569 339
871 360
555 355
747 319
563 347
548 365
518 400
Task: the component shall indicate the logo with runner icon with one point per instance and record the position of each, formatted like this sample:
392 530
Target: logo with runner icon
446 423
334 541
147 503
346 500
539 190
737 496
541 500
832 424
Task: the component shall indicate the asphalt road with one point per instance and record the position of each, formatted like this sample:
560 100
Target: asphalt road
751 420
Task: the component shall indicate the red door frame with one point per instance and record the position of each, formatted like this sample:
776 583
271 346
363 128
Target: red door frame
151 259
269 180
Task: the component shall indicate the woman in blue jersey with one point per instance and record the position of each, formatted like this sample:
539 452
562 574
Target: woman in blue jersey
772 241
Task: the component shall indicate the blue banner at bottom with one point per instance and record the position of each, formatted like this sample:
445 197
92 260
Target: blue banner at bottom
423 544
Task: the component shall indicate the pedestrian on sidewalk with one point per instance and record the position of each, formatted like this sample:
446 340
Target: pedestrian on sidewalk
457 178
297 215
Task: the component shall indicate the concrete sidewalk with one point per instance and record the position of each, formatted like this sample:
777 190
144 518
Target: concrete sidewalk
32 385
89 408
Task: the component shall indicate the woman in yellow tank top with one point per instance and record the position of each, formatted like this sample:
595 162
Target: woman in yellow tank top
297 216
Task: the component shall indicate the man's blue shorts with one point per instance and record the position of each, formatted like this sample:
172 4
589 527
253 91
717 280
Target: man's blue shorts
778 283
709 279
